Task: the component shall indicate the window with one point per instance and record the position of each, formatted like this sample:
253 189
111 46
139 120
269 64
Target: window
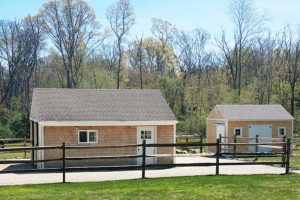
145 135
87 136
281 131
238 132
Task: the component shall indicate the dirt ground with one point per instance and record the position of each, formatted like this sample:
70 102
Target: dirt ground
47 177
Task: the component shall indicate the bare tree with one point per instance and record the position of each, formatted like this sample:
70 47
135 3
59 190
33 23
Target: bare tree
73 29
121 18
290 45
192 58
264 59
136 52
166 33
20 45
247 24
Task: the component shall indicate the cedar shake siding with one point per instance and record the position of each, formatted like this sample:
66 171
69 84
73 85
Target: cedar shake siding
107 135
165 134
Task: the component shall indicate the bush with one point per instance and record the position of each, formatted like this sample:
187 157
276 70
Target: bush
5 132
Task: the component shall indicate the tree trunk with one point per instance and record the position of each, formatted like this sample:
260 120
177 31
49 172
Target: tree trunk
292 98
119 66
141 76
69 83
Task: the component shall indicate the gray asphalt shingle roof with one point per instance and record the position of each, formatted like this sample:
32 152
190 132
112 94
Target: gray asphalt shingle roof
99 105
254 112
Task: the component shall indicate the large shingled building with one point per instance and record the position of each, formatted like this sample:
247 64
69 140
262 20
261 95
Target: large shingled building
247 121
100 117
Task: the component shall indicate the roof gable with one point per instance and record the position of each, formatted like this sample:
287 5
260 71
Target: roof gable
99 105
215 114
254 112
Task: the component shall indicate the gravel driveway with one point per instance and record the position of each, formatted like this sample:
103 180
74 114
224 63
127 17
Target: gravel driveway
37 178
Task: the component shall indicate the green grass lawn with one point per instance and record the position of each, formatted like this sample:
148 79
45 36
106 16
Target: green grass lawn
197 187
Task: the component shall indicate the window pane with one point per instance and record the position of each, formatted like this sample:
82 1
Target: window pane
92 136
148 134
238 132
82 136
142 135
281 131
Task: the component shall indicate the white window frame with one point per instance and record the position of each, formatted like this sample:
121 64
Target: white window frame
284 128
88 136
241 131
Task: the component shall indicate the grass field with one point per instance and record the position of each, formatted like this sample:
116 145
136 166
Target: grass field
197 187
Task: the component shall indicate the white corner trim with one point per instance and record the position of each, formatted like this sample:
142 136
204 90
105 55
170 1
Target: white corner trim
40 153
174 141
107 123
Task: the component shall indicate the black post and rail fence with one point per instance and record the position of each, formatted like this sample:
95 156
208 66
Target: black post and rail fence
144 166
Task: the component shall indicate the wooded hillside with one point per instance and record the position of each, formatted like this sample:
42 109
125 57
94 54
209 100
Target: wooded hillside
64 46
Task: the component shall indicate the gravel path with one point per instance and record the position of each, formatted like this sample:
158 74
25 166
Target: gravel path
37 178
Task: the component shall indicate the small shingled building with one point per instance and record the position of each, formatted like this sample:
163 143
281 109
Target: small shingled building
247 121
92 117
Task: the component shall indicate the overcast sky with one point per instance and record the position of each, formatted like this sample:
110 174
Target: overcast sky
211 15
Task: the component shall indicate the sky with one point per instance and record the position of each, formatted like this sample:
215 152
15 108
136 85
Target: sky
211 15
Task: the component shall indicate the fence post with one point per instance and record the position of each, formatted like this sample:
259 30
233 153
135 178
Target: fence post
220 141
217 156
201 141
256 147
288 147
25 146
144 159
284 151
234 147
64 161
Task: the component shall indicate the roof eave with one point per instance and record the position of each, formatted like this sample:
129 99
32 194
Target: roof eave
108 123
260 119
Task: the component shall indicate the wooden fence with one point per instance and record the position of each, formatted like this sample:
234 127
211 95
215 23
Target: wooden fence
295 146
143 166
11 142
257 140
187 139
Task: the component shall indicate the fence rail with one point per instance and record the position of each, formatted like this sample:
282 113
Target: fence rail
187 138
257 143
11 142
143 156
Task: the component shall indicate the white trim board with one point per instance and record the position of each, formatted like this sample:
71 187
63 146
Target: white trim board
216 119
107 123
250 120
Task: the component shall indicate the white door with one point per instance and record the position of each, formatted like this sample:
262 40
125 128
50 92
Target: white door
146 133
262 131
221 131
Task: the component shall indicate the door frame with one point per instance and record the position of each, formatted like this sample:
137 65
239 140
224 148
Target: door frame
224 135
138 128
